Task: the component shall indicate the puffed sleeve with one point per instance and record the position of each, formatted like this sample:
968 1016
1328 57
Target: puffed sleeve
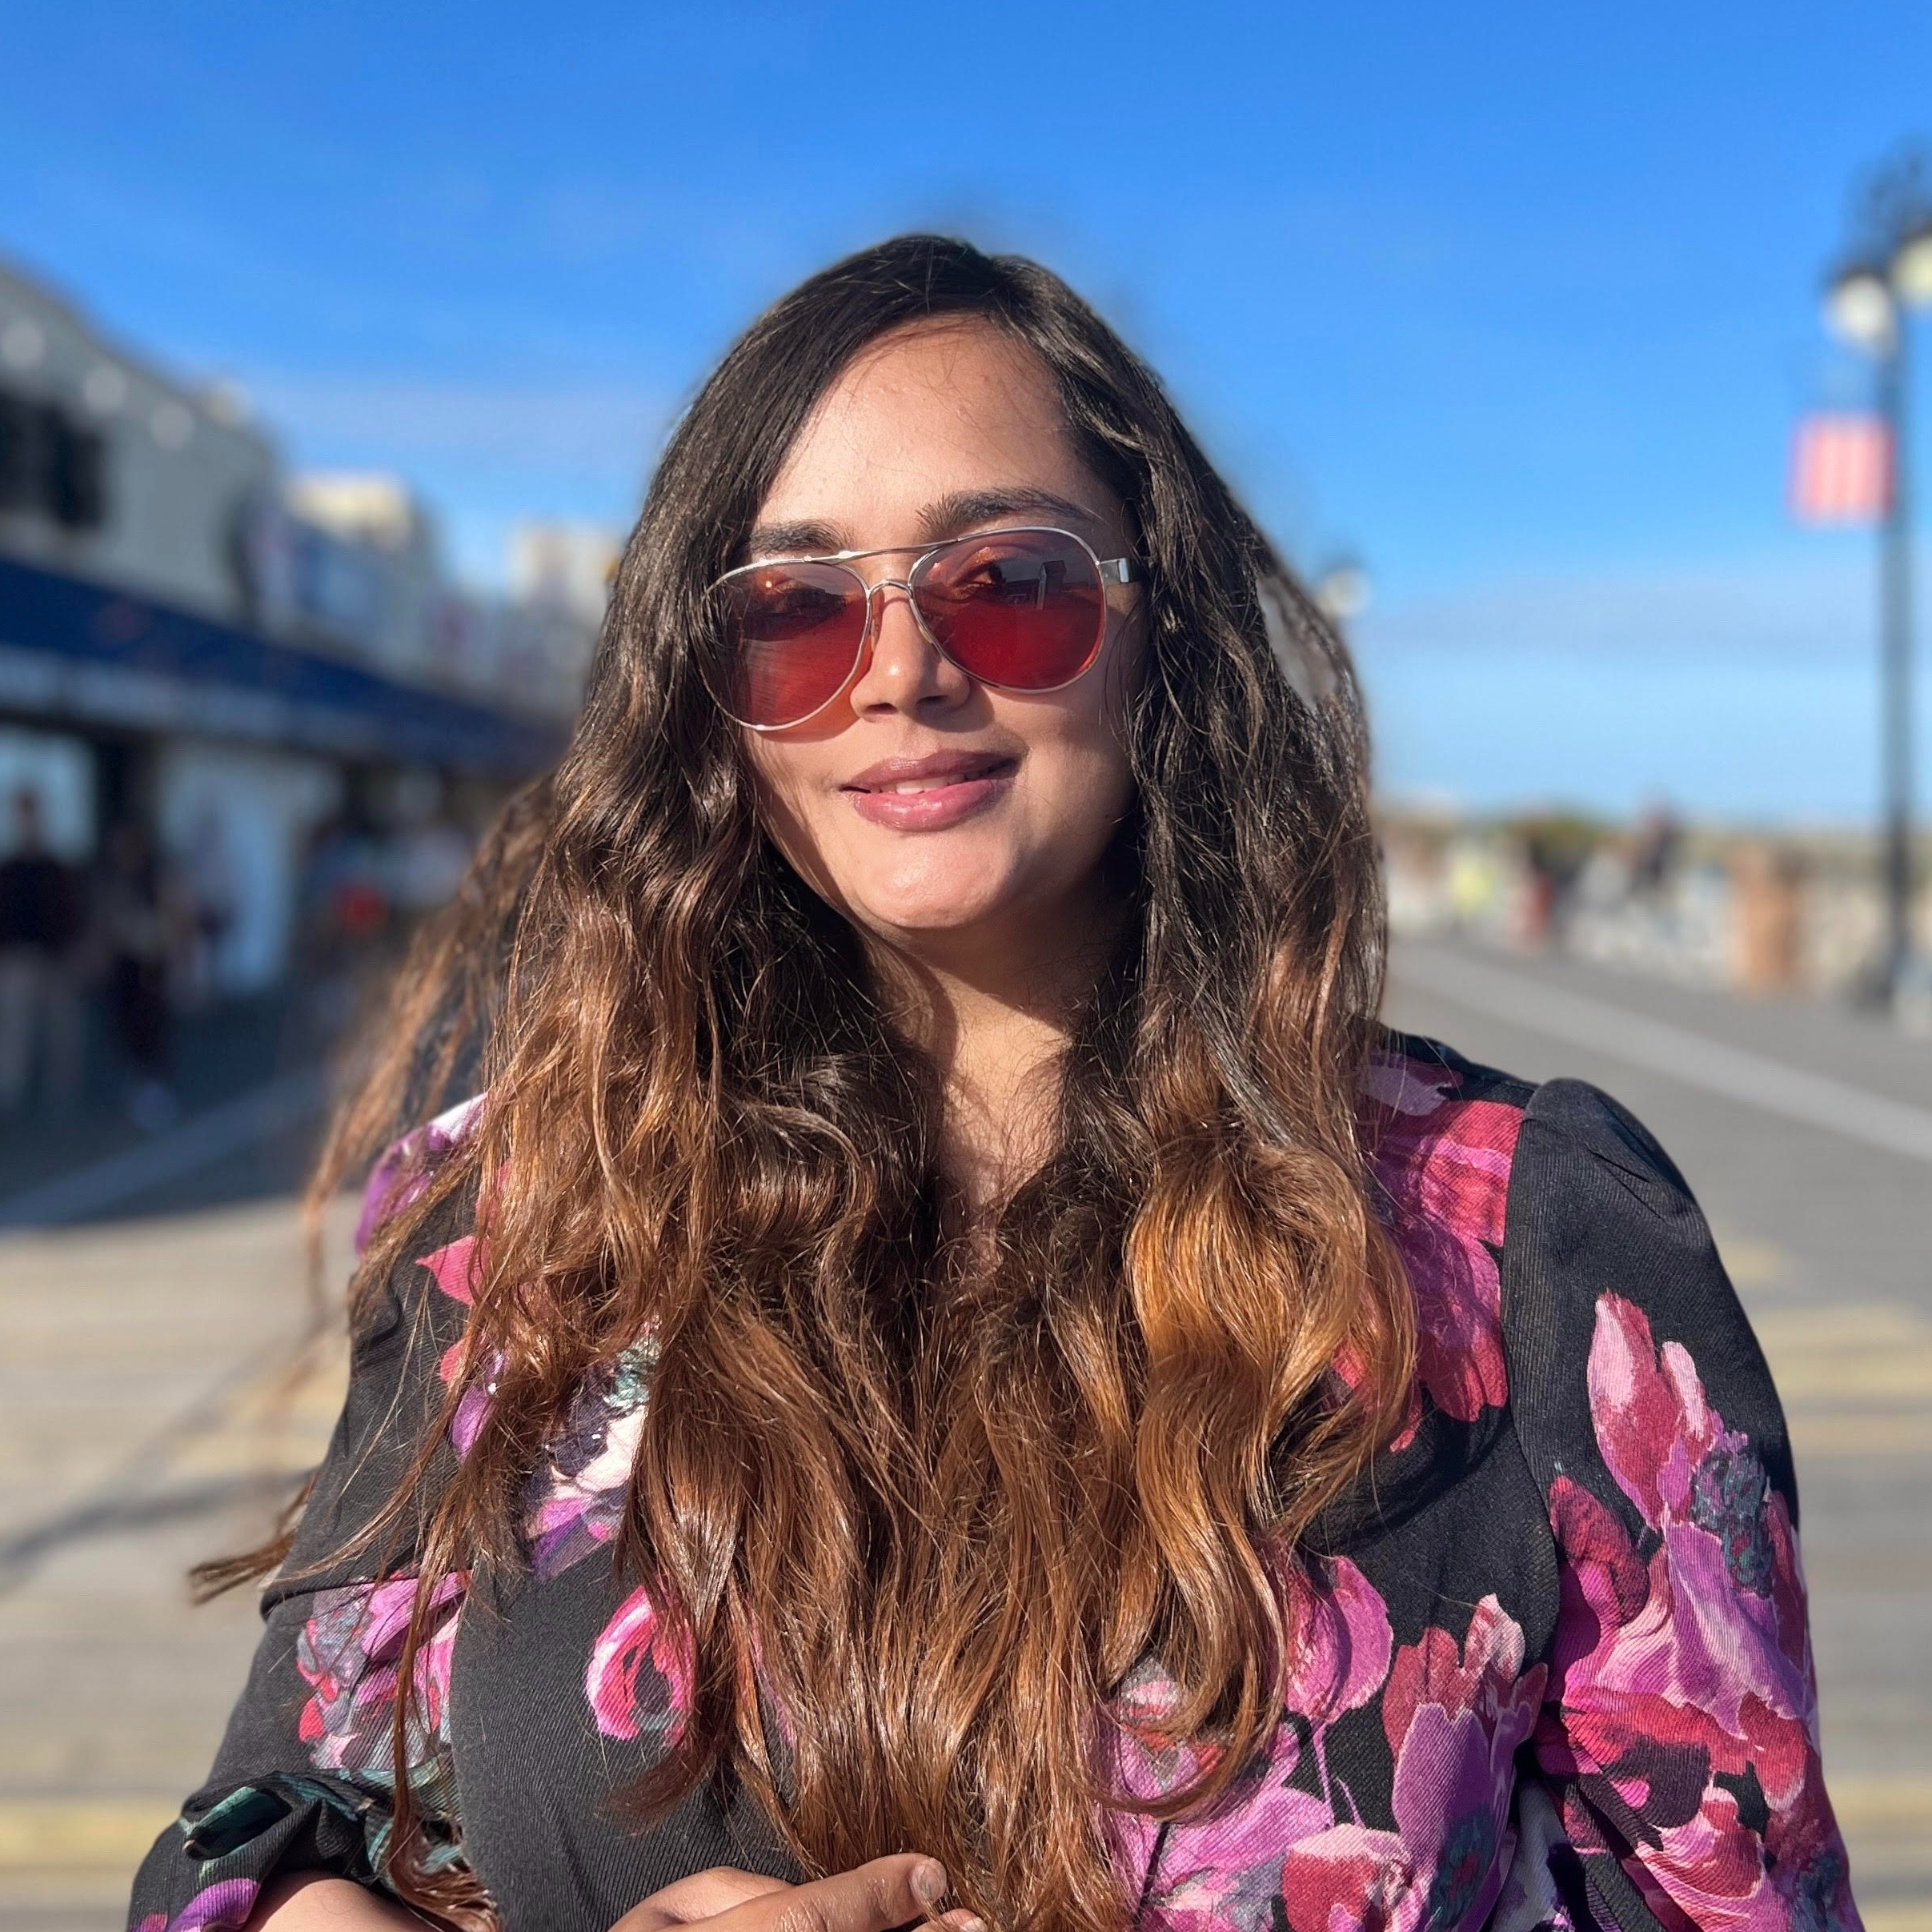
1676 1781
305 1778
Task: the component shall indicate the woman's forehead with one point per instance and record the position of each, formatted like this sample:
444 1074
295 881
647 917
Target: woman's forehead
931 414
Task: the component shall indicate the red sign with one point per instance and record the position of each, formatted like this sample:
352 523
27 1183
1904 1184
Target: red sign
1840 469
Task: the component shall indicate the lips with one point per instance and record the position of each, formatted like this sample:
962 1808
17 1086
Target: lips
912 795
907 777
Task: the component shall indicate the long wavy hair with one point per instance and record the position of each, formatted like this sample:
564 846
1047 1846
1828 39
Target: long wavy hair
934 1501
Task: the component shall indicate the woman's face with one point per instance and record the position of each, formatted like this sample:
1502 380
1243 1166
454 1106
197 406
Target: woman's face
934 812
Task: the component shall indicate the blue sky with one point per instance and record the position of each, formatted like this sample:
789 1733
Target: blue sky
1517 303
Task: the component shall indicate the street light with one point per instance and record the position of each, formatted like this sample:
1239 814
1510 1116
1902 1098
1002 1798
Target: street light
1867 303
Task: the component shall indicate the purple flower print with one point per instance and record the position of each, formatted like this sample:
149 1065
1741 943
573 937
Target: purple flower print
222 1907
400 1177
1683 1676
1455 1717
575 1501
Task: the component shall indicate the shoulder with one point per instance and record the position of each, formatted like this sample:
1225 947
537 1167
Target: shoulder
1442 1134
404 1168
1623 1320
1441 1129
410 1321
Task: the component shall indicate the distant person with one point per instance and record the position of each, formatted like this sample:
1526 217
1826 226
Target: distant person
137 918
41 917
954 1373
213 905
1657 845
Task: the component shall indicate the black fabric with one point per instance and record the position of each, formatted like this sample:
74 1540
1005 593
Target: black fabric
1596 1208
1452 1541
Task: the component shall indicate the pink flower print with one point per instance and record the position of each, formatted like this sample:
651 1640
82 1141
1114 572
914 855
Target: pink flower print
1219 1869
1340 1640
457 1269
1684 1680
404 1171
1444 1165
1455 1717
638 1681
1222 1873
1720 1623
348 1652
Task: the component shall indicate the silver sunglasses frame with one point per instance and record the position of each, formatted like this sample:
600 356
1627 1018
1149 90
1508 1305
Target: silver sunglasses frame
1110 570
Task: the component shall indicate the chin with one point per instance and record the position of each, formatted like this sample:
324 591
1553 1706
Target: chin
922 914
940 893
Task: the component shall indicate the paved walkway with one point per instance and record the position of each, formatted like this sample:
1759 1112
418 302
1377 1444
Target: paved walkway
146 1420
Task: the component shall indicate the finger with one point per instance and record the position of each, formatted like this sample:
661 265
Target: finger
899 1890
704 1895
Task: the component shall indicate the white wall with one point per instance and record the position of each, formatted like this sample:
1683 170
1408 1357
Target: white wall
262 806
180 461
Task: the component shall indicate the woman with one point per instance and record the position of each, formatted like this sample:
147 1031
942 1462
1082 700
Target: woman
953 1370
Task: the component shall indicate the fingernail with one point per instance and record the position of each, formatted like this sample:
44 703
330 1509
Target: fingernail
929 1882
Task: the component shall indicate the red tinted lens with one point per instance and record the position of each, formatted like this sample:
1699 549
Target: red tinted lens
792 633
1023 609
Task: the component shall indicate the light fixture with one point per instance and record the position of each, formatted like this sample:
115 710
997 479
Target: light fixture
1342 592
1859 308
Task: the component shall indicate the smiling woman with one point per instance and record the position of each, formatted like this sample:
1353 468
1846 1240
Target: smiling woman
953 1369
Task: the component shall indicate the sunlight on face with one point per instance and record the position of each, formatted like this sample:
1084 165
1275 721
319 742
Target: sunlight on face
936 813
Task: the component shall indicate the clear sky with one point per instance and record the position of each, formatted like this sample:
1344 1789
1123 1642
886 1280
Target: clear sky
1517 303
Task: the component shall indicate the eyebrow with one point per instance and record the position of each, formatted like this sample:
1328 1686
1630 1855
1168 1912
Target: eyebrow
949 516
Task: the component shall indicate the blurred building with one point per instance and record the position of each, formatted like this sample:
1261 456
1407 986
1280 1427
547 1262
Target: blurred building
235 657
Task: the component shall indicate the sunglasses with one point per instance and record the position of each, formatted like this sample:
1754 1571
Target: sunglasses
1020 610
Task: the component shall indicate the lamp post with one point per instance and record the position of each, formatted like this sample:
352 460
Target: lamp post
1868 302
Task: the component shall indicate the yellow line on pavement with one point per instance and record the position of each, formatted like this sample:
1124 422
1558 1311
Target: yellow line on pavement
1895 1915
62 1832
1833 1432
1865 1803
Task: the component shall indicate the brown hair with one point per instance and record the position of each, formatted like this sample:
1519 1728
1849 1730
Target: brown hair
936 1511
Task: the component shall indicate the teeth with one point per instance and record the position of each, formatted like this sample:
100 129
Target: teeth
928 784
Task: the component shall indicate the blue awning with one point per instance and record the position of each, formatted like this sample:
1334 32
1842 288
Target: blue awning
83 654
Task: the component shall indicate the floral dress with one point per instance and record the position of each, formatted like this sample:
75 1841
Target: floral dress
1551 1667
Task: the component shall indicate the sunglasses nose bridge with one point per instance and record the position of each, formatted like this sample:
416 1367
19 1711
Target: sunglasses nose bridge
875 614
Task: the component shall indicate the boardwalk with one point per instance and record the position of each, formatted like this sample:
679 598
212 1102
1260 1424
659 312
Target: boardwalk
141 1414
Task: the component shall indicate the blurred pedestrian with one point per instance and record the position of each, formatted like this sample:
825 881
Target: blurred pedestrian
214 898
41 917
1657 843
138 923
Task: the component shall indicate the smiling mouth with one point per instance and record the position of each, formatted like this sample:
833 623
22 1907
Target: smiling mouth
902 778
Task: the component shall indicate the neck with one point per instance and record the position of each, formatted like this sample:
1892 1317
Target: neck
995 1010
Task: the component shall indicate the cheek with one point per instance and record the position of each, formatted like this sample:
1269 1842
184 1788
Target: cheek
790 805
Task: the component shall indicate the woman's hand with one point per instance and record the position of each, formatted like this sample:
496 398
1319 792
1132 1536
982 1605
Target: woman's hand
901 1890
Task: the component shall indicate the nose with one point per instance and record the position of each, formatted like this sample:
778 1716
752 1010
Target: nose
903 672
